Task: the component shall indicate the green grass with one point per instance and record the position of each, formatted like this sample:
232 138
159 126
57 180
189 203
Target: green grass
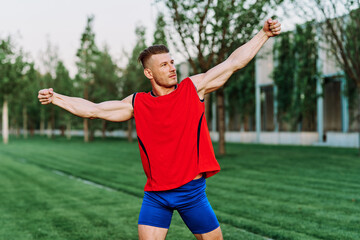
278 192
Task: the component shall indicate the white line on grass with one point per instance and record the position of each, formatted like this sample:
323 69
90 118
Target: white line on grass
23 160
83 180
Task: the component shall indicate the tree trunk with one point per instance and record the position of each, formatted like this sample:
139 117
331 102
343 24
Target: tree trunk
68 129
5 121
17 130
103 129
130 129
48 132
25 121
221 119
207 109
52 121
42 121
358 115
86 130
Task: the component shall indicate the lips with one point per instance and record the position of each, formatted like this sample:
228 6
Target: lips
173 76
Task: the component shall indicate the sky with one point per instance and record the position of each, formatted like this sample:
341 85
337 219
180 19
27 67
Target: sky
33 23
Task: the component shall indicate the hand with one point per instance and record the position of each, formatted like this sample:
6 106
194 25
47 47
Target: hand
46 96
272 27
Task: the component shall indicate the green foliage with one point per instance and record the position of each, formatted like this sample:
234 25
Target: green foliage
106 78
133 78
210 30
295 75
12 67
32 87
240 90
352 46
305 72
63 82
159 34
284 74
87 56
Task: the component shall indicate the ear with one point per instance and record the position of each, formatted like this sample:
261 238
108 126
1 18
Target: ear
148 73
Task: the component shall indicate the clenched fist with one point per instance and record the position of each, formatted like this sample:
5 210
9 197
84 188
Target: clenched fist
46 95
272 27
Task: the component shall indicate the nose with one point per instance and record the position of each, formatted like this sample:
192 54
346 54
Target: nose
172 68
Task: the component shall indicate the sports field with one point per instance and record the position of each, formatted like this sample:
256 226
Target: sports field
262 192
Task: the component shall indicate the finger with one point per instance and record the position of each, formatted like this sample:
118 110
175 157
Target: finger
277 25
43 96
276 29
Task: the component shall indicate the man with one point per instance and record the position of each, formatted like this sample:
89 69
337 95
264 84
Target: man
174 142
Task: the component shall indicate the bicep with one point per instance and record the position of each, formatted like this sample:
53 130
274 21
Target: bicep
213 78
116 111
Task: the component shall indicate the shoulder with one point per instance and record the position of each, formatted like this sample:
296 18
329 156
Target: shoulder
197 80
128 99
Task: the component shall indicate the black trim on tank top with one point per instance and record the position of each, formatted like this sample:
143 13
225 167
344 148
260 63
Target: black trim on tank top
198 136
201 100
143 147
133 99
152 93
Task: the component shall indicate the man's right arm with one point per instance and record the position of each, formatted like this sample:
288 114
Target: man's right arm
115 111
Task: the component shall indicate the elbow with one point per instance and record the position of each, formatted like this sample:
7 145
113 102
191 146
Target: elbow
239 63
92 113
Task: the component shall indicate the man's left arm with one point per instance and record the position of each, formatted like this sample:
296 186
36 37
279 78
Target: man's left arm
217 76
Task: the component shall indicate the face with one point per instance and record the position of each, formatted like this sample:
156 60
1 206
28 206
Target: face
161 70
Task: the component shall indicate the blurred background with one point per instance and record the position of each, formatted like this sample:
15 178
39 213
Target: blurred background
276 125
302 87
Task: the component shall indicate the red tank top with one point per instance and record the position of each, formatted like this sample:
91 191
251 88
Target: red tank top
173 136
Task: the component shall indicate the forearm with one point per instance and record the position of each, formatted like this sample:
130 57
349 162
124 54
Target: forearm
243 55
77 106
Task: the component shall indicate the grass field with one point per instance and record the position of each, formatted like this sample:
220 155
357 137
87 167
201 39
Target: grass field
262 192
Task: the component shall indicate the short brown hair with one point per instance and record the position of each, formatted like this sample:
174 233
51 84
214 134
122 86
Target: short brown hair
152 50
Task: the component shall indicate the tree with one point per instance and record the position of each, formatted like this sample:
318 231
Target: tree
28 87
64 84
295 76
305 95
32 103
241 93
106 81
12 68
49 60
133 78
87 56
159 34
284 75
208 30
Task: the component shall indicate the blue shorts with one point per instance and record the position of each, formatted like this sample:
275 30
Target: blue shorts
189 200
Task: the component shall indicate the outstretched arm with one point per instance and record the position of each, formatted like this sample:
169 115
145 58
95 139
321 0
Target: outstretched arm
217 76
116 111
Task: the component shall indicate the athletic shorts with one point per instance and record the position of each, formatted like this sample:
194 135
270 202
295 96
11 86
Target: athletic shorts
189 200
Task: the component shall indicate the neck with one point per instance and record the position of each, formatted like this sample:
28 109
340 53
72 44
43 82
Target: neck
161 91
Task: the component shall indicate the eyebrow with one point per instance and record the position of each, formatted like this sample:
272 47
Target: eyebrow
172 60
